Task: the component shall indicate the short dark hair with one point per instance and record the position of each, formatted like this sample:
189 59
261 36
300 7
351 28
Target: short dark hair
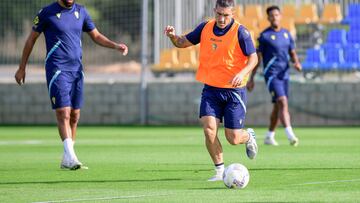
225 3
271 8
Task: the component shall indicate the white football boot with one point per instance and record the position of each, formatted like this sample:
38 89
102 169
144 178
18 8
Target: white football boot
294 141
270 141
251 146
218 175
72 164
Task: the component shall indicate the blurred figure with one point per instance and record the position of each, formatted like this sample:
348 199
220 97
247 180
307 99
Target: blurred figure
63 23
227 56
275 46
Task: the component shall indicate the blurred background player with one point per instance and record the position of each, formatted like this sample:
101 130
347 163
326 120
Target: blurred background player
227 56
63 23
275 46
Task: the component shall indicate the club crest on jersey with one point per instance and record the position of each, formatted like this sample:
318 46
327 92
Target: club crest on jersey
214 46
77 15
286 35
58 15
273 37
36 20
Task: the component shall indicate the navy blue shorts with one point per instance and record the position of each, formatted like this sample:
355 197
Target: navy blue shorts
277 87
65 88
226 103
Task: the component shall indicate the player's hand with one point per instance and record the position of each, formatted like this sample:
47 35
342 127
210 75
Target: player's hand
237 80
250 85
20 76
298 66
122 48
169 31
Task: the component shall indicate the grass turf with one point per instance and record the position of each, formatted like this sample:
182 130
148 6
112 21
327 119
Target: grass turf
171 164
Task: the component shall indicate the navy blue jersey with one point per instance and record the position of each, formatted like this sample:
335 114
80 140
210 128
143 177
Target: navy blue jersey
275 47
245 41
63 29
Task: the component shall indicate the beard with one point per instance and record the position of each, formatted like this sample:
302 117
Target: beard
67 3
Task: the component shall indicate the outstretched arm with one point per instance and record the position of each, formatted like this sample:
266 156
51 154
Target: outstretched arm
251 84
178 41
295 60
101 40
29 44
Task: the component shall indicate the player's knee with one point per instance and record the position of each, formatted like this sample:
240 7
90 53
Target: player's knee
74 117
62 115
210 132
282 102
233 141
233 137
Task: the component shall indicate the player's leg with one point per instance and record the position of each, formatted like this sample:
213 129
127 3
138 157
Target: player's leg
74 120
76 98
63 122
234 122
59 90
213 145
284 115
210 115
241 136
274 119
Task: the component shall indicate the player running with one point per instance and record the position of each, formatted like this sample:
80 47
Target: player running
227 56
275 46
62 23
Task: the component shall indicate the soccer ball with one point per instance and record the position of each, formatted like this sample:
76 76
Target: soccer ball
236 176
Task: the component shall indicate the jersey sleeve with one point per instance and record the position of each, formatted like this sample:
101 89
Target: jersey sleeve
39 22
88 25
195 36
245 41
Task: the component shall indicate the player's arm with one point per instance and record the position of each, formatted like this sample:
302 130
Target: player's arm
178 41
29 44
251 84
248 48
251 63
295 60
102 40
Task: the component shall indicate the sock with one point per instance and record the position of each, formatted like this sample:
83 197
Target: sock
289 133
270 134
219 168
69 148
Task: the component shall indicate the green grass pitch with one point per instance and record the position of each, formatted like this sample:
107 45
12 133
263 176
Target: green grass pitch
171 164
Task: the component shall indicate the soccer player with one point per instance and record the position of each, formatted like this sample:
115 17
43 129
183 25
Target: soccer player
227 56
63 23
275 46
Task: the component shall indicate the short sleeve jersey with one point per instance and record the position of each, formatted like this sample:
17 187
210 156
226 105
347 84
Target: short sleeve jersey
245 41
63 30
275 47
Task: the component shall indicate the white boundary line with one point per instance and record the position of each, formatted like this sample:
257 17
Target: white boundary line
103 198
324 182
25 142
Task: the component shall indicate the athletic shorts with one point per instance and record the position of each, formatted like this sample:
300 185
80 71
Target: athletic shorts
227 103
65 88
277 87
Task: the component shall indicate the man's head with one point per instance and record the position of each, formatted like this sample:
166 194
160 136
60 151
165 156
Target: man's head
68 3
224 12
274 16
